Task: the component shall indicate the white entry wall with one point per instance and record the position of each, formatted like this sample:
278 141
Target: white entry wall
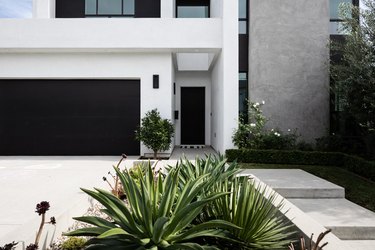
193 79
118 65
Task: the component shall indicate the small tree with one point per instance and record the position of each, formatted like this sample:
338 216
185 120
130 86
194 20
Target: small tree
155 133
354 73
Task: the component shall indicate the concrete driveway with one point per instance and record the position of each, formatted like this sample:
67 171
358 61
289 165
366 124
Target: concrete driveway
26 181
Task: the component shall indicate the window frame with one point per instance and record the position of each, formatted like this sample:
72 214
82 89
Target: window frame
109 15
339 20
246 20
199 3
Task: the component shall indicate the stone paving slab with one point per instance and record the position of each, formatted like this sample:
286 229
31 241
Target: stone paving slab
361 244
347 220
296 183
26 181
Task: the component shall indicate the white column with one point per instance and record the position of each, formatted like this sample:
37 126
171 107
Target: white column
230 71
168 8
43 8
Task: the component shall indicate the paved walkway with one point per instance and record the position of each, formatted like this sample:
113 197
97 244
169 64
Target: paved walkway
325 203
25 181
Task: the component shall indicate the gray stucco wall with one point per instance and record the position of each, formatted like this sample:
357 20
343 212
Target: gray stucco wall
288 64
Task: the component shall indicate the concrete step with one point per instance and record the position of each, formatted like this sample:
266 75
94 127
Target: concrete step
361 244
347 220
296 183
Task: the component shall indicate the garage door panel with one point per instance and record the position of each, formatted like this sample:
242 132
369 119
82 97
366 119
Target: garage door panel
69 117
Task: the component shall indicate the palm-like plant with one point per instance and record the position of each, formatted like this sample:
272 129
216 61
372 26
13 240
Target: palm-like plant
159 214
260 223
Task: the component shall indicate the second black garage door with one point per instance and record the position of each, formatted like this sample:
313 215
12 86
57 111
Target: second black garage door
69 117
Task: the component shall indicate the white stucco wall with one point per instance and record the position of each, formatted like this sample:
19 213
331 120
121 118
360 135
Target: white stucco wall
44 8
99 66
193 79
111 34
216 8
225 82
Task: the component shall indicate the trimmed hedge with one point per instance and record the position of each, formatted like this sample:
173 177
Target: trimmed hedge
354 164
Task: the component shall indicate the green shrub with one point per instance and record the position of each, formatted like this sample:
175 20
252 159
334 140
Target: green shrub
354 164
73 243
251 132
277 140
155 133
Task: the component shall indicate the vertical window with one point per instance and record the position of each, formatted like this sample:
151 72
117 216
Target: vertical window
334 11
109 8
192 9
242 16
243 93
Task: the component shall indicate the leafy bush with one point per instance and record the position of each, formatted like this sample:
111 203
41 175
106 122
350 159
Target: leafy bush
159 215
363 146
354 164
73 243
252 134
276 140
155 133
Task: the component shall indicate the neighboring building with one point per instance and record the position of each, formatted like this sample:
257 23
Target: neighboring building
77 78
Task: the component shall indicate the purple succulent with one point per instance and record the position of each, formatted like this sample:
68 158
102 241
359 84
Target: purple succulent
9 246
52 220
42 207
32 247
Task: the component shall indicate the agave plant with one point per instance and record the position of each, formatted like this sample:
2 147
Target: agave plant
260 223
158 216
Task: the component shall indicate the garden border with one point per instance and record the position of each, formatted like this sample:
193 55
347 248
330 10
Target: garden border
351 163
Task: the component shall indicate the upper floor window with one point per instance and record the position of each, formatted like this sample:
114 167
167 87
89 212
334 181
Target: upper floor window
334 11
242 16
109 8
193 9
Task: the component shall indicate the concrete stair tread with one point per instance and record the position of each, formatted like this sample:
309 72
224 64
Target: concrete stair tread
296 183
361 244
346 219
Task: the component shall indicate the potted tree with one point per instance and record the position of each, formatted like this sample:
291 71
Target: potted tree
155 133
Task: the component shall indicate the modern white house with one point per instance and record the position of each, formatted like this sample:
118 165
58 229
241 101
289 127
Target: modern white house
77 77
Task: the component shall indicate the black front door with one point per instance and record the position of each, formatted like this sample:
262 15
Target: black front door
192 115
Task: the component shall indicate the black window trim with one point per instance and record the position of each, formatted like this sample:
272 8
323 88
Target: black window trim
110 15
193 3
245 19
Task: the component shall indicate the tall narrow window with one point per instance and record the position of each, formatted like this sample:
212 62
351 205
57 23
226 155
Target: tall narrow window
193 9
109 8
243 93
242 16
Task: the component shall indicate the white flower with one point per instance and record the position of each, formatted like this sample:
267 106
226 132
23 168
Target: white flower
277 134
257 104
252 125
272 130
263 102
288 129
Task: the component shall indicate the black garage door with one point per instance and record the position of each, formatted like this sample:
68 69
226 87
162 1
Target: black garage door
69 117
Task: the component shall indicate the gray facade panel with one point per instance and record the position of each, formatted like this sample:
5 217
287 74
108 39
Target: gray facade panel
288 58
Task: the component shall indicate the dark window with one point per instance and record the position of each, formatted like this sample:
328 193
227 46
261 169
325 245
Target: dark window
243 93
243 16
193 9
109 8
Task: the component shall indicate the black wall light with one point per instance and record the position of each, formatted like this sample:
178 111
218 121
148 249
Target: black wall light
155 82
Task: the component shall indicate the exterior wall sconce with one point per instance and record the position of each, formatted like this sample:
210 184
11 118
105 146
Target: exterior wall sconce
155 82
